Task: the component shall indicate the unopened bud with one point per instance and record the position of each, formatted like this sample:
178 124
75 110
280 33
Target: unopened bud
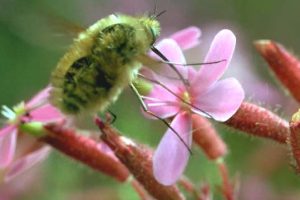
207 138
260 122
138 159
294 140
283 63
85 150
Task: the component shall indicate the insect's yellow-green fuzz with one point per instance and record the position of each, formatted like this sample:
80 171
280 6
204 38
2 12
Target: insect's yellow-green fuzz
102 61
296 116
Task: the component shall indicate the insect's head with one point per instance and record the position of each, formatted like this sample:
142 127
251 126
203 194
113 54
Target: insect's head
152 27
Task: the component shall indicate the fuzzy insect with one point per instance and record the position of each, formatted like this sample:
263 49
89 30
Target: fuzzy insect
103 60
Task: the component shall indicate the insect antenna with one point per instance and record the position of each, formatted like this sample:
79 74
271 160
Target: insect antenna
154 15
159 14
145 108
155 8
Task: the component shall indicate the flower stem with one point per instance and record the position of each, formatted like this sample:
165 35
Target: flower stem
138 159
227 187
284 64
189 187
206 137
140 190
205 192
85 150
295 139
260 122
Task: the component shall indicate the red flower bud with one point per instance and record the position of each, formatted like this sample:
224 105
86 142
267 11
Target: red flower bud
207 138
259 121
284 64
295 139
138 159
85 150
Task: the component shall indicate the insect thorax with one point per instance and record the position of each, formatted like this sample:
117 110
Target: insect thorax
100 64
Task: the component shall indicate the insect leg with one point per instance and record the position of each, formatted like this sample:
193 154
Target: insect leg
114 116
170 91
157 52
109 117
145 108
193 64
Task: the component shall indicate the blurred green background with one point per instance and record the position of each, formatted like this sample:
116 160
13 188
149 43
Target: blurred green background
32 40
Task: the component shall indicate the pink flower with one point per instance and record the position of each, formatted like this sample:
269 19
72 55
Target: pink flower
35 110
205 95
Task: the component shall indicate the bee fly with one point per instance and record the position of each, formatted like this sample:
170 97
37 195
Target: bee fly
103 60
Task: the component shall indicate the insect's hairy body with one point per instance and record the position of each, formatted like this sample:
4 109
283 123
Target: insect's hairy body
102 61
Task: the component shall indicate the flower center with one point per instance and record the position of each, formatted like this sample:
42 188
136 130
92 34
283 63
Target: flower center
14 115
186 100
186 97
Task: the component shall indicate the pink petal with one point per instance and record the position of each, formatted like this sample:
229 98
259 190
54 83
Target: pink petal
7 148
221 48
170 49
40 97
6 130
26 162
222 100
192 73
172 155
147 72
187 38
45 113
161 102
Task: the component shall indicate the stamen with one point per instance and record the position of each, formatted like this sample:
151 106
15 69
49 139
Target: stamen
19 109
150 98
194 64
173 93
204 114
7 112
160 104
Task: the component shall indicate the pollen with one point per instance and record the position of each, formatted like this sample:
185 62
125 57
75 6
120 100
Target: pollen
186 100
186 97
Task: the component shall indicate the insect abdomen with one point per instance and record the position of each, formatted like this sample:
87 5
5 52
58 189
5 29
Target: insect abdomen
93 81
84 85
